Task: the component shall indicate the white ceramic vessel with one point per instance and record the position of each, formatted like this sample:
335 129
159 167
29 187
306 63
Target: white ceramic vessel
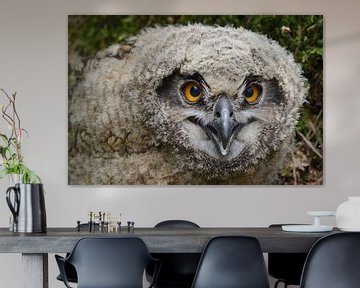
348 214
316 227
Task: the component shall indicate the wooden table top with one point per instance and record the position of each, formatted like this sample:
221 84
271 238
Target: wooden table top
158 240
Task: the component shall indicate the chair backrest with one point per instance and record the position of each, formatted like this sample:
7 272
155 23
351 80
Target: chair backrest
232 262
110 262
287 267
178 269
333 262
176 224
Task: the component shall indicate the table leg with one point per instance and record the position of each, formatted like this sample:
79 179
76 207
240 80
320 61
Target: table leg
35 270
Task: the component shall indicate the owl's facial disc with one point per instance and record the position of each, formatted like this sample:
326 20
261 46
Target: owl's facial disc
219 120
223 127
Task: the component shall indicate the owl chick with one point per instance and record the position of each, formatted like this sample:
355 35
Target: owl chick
185 105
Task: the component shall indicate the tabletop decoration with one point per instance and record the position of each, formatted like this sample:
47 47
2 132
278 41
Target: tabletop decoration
348 214
25 197
12 161
315 227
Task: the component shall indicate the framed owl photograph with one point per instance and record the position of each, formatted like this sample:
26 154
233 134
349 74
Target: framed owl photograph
195 100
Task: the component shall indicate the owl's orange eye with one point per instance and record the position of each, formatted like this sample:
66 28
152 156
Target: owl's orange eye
252 93
192 92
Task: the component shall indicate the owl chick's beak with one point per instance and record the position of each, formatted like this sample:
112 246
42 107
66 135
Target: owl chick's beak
224 126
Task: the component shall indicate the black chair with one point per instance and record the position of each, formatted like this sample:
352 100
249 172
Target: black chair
70 271
333 262
178 269
286 267
232 262
108 263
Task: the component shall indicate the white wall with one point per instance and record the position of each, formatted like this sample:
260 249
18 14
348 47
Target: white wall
33 62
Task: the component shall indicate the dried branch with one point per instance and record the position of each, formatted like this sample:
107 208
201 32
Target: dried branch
311 146
293 168
6 117
11 156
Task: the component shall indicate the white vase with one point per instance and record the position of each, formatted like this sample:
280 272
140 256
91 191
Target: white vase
348 214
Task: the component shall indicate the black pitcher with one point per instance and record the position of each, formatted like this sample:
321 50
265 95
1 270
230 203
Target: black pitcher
28 207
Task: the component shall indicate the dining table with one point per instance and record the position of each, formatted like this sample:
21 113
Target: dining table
35 247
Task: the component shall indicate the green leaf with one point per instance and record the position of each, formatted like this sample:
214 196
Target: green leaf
27 175
4 137
33 178
3 151
4 173
316 51
26 132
